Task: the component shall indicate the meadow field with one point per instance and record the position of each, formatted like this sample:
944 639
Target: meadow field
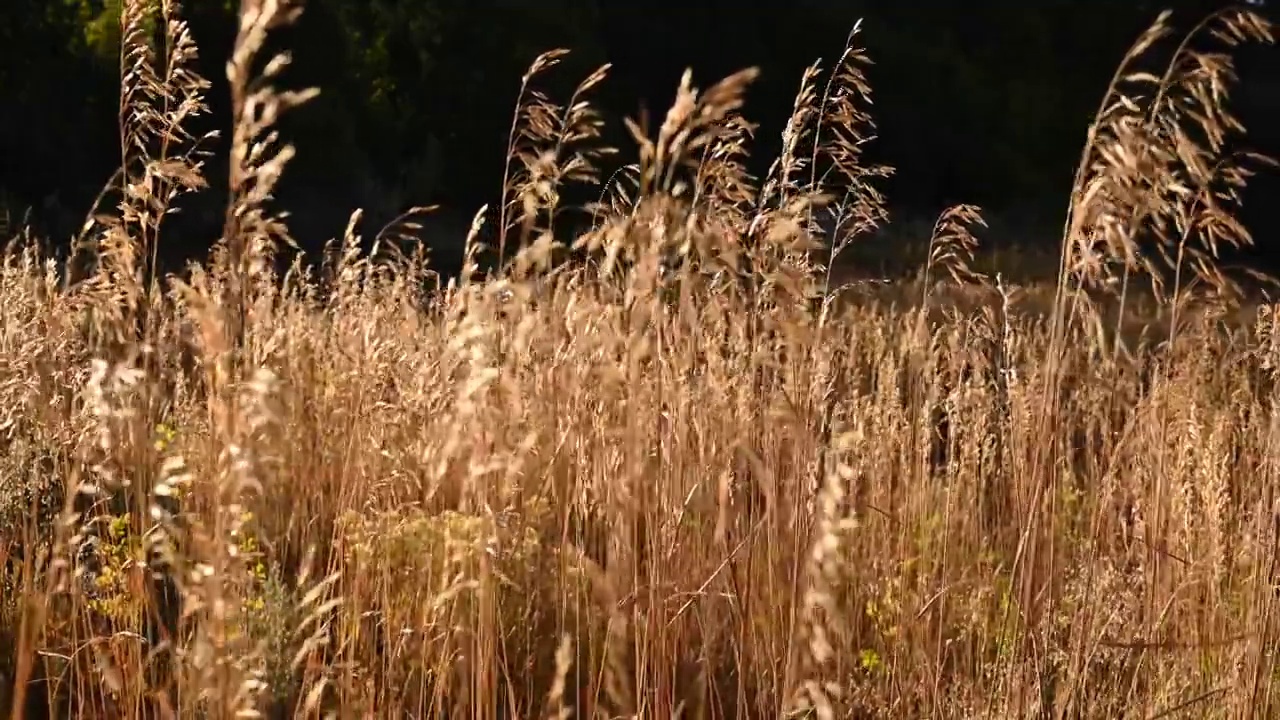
670 467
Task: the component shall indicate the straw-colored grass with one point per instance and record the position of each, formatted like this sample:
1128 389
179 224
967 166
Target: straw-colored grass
674 473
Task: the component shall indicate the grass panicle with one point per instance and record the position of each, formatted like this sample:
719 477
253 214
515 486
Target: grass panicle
657 464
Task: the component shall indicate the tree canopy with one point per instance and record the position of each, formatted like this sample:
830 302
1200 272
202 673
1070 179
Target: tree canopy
986 102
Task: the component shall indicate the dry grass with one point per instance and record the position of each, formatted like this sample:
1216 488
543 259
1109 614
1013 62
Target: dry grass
673 476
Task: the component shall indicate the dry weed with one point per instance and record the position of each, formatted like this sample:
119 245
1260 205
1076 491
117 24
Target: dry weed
677 475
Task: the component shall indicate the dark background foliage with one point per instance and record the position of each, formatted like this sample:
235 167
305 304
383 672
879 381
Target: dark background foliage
976 102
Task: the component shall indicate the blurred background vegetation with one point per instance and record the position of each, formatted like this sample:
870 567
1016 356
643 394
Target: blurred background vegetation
985 103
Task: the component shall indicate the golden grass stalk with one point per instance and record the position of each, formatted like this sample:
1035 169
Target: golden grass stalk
658 479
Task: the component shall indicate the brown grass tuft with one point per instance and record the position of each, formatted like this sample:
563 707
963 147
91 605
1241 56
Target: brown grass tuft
672 474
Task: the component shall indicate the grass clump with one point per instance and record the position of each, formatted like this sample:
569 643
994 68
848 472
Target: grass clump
664 467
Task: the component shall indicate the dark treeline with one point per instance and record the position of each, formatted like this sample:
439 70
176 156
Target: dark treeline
976 102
